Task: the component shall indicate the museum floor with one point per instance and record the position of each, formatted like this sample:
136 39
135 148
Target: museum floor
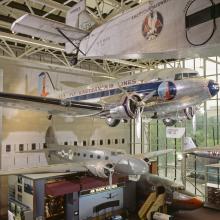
199 214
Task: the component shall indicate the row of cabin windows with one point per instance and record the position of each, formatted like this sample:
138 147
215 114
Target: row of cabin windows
21 147
91 156
34 145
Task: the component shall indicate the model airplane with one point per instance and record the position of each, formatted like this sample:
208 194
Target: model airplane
207 152
169 94
177 197
156 29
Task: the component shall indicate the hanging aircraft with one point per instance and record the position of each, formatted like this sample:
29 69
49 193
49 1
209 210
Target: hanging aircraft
177 197
206 152
168 94
103 162
158 29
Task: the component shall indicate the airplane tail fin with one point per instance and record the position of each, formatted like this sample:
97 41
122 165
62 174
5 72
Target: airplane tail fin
45 84
78 17
189 144
50 137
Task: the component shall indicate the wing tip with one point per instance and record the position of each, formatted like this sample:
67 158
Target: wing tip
17 21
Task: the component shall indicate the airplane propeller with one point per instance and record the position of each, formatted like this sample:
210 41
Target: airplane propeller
139 104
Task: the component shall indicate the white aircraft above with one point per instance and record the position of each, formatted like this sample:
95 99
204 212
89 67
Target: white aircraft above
168 94
158 29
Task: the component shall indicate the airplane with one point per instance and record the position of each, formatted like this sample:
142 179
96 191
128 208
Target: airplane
206 152
158 29
177 197
103 162
168 94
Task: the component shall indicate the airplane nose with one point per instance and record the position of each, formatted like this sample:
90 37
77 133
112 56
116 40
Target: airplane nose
213 87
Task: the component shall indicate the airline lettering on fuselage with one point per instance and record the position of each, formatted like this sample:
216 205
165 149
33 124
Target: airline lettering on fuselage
147 10
107 86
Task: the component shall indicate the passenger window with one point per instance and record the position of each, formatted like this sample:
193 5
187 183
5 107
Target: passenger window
44 145
122 140
93 142
84 143
21 147
84 155
91 155
33 146
75 143
65 143
101 142
116 141
109 141
8 148
106 158
98 157
78 154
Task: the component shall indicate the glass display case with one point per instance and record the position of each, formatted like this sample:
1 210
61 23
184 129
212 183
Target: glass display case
212 189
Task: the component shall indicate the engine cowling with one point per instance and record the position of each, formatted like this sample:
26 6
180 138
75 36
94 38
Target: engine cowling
167 90
127 109
100 169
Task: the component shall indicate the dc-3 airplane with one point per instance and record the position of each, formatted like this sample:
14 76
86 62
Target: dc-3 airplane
158 29
168 94
206 152
103 162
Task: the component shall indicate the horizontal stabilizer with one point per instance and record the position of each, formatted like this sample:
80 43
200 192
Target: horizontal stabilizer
46 29
55 168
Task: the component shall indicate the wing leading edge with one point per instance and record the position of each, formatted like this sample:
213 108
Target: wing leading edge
50 105
55 168
46 29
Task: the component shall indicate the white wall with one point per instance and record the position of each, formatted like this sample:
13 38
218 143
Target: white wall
27 127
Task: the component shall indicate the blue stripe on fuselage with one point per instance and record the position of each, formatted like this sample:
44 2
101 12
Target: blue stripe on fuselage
144 88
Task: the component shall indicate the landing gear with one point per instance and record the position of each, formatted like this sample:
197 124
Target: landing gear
169 122
49 117
74 60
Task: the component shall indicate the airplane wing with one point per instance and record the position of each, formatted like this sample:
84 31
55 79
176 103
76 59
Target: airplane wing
50 105
55 168
46 29
153 154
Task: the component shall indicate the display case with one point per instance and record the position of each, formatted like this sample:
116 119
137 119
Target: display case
212 187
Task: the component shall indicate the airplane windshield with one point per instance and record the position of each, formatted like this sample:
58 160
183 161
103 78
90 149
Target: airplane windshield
180 76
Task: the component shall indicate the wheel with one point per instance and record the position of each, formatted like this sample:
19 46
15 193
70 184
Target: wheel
112 122
169 122
74 60
49 117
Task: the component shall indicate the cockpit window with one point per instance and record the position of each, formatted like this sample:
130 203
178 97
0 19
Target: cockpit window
185 75
178 76
113 153
119 152
193 75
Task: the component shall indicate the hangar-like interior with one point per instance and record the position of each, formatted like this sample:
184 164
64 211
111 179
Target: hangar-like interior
109 109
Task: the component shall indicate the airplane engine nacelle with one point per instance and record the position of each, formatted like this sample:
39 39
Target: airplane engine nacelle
128 108
166 90
101 169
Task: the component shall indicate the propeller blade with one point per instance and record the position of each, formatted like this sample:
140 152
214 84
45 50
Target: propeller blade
138 123
147 97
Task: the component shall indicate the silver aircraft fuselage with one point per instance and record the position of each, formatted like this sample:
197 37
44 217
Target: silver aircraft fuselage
123 163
